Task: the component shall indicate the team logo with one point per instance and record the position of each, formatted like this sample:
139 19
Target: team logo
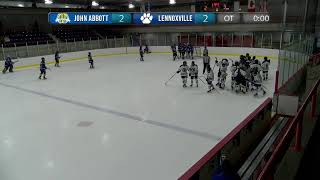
62 18
146 18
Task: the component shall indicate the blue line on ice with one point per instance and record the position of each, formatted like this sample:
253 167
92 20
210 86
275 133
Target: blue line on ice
117 113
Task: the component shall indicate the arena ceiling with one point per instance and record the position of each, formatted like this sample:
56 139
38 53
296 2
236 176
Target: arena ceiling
114 2
111 5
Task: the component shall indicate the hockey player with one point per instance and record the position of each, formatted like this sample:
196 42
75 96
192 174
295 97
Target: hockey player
205 51
247 57
180 50
193 73
206 63
57 59
240 78
257 83
141 53
191 50
146 49
233 70
174 52
242 61
183 50
188 52
8 65
255 68
222 74
210 78
183 70
43 68
265 68
90 60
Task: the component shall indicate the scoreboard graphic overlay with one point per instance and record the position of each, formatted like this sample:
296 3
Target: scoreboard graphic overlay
157 18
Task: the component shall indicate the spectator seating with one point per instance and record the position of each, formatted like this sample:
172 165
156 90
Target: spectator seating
23 37
75 35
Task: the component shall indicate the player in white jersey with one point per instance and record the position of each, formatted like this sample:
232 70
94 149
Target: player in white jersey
233 70
255 68
210 78
257 83
193 72
265 68
222 74
183 70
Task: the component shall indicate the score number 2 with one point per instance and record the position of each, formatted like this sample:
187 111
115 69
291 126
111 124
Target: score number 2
205 18
121 18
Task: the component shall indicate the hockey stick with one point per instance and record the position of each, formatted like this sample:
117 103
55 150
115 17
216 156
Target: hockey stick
201 80
216 89
169 79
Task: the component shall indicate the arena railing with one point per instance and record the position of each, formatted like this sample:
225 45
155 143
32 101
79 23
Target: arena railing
236 146
294 130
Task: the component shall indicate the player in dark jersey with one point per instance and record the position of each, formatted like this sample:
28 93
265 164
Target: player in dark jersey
43 69
174 52
90 60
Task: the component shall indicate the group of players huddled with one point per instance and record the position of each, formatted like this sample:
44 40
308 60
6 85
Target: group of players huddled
8 64
185 51
249 73
246 74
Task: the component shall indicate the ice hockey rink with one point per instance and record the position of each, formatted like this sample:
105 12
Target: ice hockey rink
117 121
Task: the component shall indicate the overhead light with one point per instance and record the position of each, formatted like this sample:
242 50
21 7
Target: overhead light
66 6
102 7
131 6
172 1
48 1
20 5
94 3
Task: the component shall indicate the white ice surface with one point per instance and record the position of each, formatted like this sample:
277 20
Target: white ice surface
135 127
